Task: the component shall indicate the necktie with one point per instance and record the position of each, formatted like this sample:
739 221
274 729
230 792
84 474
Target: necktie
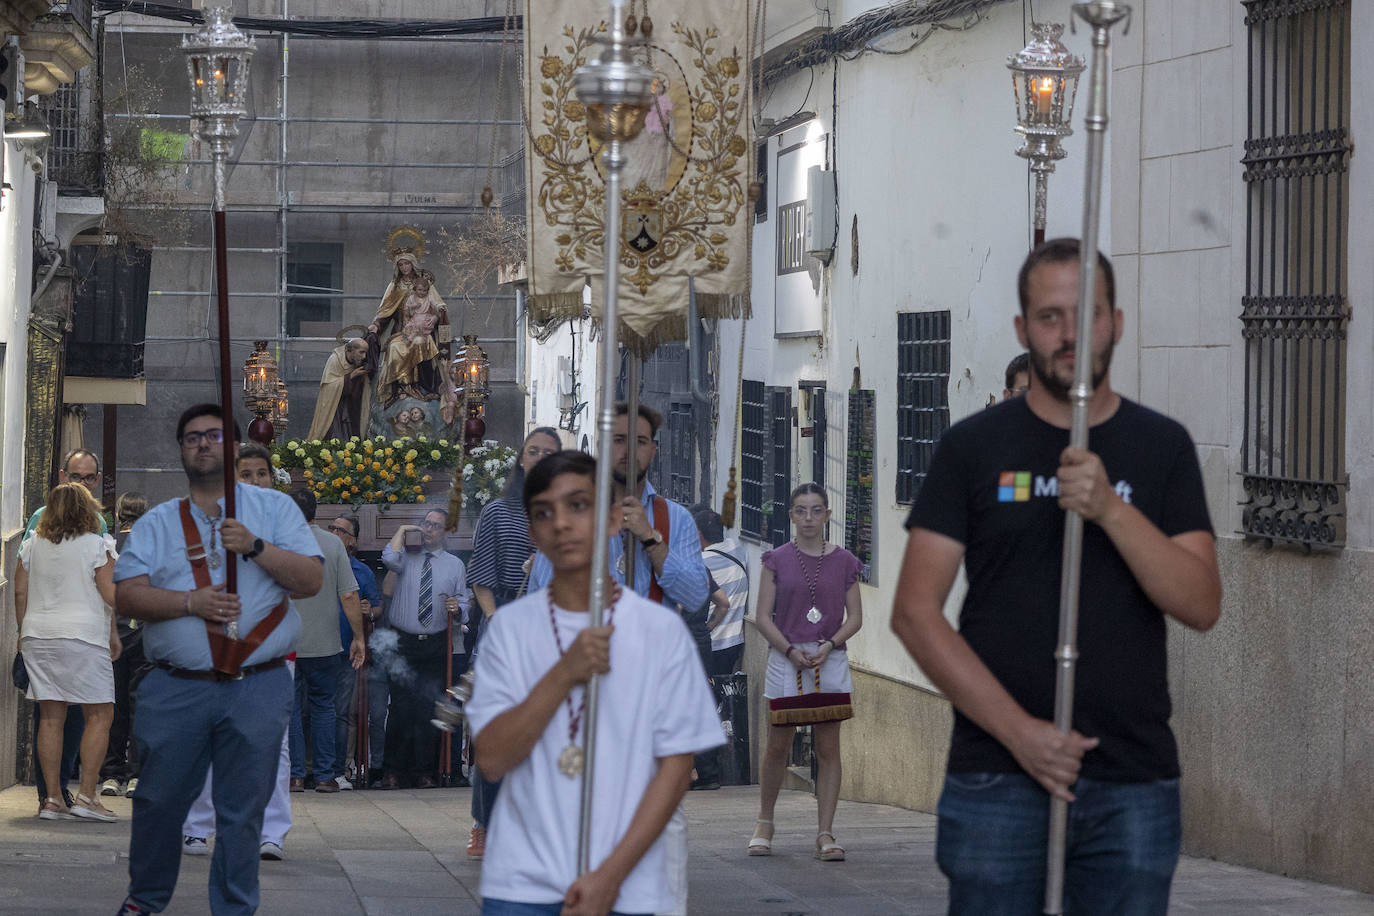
426 594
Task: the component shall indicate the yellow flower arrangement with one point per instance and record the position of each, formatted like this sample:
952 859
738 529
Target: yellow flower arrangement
362 471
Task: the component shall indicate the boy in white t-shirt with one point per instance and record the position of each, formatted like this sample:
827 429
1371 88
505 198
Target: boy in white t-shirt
527 712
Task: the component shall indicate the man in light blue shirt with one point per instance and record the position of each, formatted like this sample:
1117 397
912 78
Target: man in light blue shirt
190 715
431 586
672 566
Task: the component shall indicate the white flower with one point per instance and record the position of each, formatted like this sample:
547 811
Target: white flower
483 496
510 462
490 443
492 465
478 452
498 484
468 471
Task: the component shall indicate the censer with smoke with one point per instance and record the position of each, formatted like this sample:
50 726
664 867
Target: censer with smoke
448 713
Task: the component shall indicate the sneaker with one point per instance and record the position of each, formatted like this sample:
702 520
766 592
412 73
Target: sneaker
129 789
92 810
344 785
132 909
194 846
111 787
272 852
477 842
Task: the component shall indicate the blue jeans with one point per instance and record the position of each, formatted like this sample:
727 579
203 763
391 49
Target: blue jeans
181 727
345 692
1123 845
493 907
316 681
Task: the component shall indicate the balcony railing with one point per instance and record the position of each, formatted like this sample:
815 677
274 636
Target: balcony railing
78 10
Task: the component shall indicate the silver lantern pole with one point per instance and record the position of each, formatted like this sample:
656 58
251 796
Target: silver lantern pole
616 92
217 59
1101 15
1045 83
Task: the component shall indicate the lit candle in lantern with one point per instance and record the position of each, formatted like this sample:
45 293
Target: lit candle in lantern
1044 95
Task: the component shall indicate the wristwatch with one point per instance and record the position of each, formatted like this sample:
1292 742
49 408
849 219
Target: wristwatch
652 540
258 547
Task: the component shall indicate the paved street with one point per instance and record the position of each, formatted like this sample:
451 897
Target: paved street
400 854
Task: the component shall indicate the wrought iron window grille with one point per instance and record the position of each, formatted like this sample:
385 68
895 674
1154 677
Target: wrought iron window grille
923 356
754 429
1294 312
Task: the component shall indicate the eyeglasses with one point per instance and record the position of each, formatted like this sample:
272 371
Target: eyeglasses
342 529
811 512
431 526
87 479
194 439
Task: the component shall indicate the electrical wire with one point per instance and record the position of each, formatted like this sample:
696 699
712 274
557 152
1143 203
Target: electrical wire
856 37
359 29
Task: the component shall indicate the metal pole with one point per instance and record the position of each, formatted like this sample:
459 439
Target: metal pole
1101 15
631 462
604 481
616 89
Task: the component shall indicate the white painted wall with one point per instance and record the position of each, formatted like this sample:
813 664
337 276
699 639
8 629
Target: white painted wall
16 274
924 151
545 382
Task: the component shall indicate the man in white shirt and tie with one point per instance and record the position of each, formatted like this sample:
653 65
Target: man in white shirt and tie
430 585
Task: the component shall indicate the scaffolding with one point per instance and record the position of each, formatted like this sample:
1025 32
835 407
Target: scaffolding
346 139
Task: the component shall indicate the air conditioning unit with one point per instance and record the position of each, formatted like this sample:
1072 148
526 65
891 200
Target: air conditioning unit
819 237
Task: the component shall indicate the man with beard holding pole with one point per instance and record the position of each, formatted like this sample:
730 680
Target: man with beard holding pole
211 699
999 488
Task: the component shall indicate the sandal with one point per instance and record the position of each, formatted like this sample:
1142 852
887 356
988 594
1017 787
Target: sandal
92 810
54 810
828 852
761 845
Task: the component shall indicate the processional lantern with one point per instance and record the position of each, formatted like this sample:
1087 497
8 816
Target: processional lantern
261 384
280 408
472 387
217 60
1045 82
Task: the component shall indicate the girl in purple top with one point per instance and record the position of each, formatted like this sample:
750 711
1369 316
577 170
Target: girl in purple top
808 608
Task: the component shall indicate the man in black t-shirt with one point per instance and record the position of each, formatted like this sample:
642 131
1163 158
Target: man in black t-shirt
995 500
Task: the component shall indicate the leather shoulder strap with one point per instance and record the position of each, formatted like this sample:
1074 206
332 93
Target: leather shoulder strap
195 550
663 527
226 655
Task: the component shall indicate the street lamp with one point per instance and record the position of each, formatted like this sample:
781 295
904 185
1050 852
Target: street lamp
260 382
1045 82
217 58
472 386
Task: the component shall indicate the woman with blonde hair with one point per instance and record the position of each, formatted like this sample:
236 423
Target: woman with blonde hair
63 593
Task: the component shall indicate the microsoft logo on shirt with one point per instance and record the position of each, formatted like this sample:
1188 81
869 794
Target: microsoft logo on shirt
1014 487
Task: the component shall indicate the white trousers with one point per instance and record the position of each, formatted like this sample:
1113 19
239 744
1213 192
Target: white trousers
675 854
276 817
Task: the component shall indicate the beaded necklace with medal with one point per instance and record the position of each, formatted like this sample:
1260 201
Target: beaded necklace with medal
814 614
572 758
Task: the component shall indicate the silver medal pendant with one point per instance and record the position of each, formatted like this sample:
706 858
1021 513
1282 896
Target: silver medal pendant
212 559
813 615
570 761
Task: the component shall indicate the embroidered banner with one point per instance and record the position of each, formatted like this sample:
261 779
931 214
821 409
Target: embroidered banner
684 188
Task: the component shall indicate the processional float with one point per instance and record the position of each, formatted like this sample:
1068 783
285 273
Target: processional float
1100 15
